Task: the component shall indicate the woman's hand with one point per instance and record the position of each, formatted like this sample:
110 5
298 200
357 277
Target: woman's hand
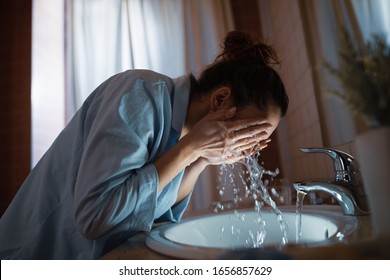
218 139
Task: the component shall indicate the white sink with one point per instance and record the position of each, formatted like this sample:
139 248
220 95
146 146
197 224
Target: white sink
207 236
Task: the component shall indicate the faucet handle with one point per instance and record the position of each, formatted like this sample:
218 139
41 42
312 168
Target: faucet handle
345 166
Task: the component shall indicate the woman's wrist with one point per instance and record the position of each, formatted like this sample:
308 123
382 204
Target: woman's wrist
189 148
200 164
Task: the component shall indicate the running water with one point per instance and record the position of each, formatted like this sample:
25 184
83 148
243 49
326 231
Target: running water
298 217
256 187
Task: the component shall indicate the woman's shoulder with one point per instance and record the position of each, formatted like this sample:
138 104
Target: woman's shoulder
147 75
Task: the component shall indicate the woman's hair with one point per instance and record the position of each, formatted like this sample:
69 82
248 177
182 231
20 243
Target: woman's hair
245 66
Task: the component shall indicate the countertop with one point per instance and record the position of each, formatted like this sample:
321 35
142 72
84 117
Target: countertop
361 244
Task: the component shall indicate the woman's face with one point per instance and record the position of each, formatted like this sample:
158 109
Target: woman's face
251 111
221 98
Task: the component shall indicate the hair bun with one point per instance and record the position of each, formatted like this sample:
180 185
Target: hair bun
244 45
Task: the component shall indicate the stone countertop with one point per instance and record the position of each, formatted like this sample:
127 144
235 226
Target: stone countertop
368 249
372 249
134 249
361 244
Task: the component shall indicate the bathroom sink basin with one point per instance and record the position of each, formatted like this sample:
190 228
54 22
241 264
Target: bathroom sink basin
207 236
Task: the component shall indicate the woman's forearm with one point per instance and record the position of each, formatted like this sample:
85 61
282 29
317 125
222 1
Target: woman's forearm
170 164
190 177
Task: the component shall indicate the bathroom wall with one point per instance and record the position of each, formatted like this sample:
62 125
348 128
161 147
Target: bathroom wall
282 25
15 82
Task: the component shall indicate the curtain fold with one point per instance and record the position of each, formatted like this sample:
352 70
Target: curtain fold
173 37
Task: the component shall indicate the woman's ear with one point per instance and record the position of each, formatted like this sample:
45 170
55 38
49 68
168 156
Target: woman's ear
221 98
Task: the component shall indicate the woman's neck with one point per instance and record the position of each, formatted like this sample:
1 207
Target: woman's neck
197 109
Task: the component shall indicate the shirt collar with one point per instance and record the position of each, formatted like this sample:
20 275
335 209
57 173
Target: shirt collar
180 102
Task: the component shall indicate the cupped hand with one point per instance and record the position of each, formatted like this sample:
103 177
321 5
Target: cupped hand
219 139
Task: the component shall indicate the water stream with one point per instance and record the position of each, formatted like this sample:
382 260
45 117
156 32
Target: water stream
256 186
298 218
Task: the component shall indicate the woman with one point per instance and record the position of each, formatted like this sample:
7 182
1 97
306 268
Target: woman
133 152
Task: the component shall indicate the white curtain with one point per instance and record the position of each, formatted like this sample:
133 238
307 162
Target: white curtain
173 37
322 19
373 17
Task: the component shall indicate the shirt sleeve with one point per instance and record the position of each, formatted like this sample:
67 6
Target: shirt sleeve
117 183
175 213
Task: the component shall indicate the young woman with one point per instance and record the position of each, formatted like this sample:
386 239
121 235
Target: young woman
133 152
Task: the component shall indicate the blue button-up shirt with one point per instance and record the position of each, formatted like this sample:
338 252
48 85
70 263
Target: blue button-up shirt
97 184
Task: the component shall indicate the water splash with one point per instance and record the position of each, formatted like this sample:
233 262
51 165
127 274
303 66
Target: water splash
218 206
256 187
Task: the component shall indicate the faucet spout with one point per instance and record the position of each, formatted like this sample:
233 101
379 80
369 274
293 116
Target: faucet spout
339 191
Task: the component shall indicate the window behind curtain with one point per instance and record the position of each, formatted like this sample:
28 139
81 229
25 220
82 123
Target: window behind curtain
373 17
362 18
172 37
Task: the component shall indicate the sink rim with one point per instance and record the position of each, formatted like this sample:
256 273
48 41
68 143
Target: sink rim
156 240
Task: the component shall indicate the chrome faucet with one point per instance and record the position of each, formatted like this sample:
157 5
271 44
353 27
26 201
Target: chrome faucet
347 188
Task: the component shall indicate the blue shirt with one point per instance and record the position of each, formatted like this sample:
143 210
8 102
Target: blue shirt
97 185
